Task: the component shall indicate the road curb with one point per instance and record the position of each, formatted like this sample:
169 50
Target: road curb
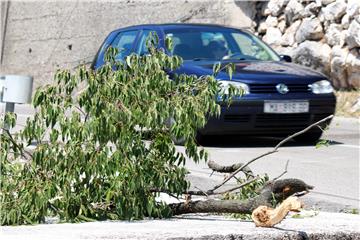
322 226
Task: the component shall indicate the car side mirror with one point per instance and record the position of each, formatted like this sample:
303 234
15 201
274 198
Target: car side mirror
285 58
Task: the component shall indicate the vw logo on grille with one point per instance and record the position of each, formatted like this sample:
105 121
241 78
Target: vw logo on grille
282 88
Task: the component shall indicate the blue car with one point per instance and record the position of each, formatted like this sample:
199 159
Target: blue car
280 97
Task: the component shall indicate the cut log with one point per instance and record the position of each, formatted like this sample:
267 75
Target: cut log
265 216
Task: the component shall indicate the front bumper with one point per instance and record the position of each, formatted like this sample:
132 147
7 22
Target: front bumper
247 117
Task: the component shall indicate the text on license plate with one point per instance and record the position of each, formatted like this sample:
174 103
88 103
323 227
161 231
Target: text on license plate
286 106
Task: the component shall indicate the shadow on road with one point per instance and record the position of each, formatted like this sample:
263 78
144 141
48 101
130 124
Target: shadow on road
247 141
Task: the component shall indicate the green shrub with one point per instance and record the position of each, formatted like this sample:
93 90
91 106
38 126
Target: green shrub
91 160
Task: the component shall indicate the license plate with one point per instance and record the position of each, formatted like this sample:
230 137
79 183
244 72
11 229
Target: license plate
286 106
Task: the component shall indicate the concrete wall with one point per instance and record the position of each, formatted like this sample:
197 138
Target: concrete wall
38 37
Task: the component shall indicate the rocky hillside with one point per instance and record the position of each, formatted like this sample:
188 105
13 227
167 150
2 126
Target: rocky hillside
322 34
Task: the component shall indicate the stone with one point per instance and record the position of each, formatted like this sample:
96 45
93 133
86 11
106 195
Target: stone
313 54
353 68
272 36
293 10
275 7
353 35
310 29
326 2
334 35
345 21
288 39
282 26
334 11
262 27
338 73
353 8
310 9
284 50
271 21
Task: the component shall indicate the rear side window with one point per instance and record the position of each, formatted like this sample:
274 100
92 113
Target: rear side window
124 42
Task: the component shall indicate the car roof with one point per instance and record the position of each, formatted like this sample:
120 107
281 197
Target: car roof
168 26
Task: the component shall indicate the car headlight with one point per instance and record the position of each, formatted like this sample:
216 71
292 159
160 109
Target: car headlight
321 87
225 85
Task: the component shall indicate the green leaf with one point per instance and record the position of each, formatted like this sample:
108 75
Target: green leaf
216 68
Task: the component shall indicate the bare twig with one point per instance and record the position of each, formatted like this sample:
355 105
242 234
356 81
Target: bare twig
271 152
201 191
239 186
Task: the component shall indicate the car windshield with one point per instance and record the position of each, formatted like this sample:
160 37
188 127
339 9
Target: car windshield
203 44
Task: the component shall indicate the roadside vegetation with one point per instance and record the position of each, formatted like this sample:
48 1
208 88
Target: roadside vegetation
348 103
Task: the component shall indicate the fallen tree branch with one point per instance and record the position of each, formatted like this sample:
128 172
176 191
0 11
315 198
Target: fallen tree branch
272 191
230 169
271 152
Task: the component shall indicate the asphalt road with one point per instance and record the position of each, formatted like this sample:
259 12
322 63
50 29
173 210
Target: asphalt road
333 170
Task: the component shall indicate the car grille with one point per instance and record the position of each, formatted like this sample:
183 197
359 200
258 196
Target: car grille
271 88
236 118
299 120
281 120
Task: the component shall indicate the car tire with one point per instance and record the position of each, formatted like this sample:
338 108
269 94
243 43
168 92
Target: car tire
308 138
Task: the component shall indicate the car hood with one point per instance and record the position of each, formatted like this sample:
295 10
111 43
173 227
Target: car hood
255 71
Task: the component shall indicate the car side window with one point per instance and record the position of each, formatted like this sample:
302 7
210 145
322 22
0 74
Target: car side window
250 47
124 42
142 48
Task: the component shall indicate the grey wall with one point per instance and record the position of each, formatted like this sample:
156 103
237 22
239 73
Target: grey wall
38 37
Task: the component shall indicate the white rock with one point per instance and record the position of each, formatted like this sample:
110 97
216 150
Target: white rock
345 21
338 72
288 39
293 10
282 26
353 8
326 2
284 50
310 29
318 3
271 21
313 54
340 52
281 17
353 34
353 68
275 7
335 10
262 27
272 36
334 35
310 10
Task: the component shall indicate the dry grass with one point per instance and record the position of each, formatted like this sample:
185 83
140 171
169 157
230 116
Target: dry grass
348 103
